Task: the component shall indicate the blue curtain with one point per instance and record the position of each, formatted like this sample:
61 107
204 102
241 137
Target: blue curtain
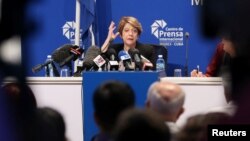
88 18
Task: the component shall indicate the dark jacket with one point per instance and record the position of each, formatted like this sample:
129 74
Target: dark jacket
146 50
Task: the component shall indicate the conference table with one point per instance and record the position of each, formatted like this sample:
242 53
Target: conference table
65 94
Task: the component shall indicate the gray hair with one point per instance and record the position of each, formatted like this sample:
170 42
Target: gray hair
162 105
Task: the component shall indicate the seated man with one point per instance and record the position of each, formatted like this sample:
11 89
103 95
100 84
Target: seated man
167 99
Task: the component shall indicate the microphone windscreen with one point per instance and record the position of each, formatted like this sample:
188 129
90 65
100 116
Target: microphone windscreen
61 53
76 52
133 51
87 65
111 51
91 53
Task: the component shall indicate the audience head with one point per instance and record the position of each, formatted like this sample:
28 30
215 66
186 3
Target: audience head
195 128
132 21
144 125
110 99
21 100
50 125
167 99
21 107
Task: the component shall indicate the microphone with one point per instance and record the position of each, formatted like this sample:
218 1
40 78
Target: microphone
91 54
61 53
38 67
86 66
58 56
123 55
113 63
99 61
186 58
125 58
75 52
135 58
82 66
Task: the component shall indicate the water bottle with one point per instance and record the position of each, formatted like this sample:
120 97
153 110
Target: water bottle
160 66
49 72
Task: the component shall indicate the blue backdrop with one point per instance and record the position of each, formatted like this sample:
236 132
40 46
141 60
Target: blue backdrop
163 21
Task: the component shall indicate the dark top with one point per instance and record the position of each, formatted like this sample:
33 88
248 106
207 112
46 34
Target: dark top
101 137
146 50
220 60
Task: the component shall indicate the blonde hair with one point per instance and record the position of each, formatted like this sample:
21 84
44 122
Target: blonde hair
132 21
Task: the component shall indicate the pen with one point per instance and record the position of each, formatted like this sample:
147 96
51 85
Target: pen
198 69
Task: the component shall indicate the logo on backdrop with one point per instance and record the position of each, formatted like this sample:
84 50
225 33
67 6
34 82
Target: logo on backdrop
69 32
196 2
168 36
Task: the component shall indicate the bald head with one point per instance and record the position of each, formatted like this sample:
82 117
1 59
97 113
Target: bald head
166 98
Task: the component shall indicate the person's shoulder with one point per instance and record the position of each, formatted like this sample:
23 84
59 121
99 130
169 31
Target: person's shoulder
144 46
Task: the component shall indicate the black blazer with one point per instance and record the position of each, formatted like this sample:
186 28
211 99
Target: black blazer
145 50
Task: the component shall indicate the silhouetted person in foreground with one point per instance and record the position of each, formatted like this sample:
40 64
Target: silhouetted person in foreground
21 108
232 20
50 125
196 126
141 125
110 99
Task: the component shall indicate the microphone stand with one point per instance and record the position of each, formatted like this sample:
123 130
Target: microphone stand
69 65
56 73
186 59
40 66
